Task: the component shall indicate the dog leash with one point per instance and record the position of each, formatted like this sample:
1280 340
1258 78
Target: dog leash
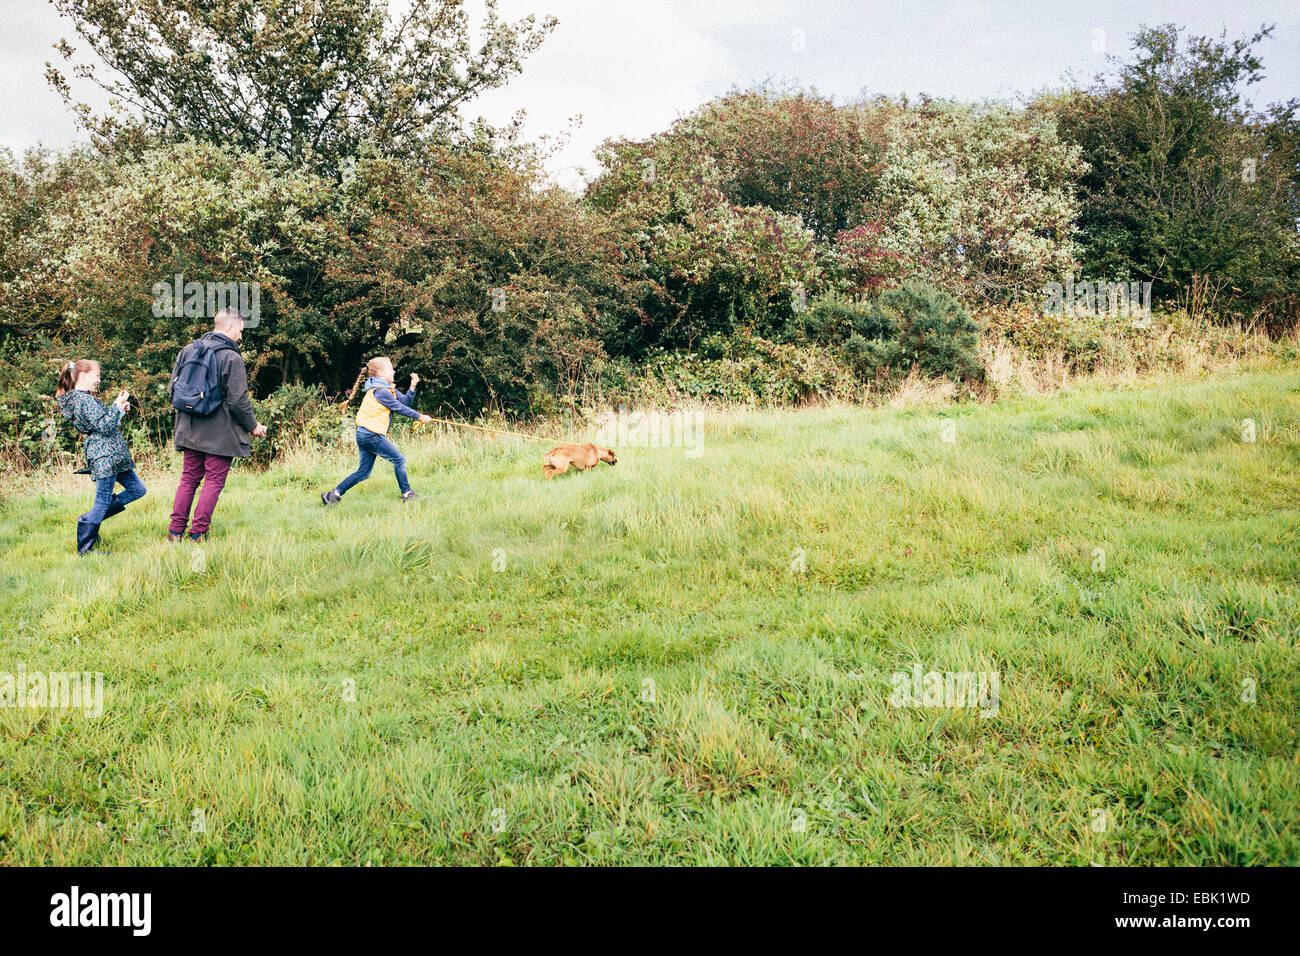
499 431
343 409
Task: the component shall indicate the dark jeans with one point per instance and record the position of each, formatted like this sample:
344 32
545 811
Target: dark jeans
211 470
371 445
132 488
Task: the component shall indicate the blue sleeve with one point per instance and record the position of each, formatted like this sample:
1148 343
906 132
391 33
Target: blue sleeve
394 404
95 418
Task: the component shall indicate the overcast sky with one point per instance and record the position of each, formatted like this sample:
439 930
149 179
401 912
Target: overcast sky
630 67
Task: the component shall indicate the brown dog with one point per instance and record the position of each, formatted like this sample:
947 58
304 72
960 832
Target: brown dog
559 458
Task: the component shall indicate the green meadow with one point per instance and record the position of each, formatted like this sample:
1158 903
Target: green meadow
690 660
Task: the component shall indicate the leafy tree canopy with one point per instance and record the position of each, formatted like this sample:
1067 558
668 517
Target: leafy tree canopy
315 80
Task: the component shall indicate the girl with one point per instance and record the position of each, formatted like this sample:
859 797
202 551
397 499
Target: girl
106 452
373 421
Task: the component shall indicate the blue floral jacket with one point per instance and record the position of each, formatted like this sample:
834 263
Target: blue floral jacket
106 450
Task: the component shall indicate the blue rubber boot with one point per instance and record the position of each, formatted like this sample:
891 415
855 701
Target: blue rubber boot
87 535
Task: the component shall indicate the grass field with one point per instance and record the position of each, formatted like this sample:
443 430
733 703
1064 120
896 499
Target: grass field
689 660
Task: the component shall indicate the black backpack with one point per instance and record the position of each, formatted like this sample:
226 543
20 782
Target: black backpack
197 390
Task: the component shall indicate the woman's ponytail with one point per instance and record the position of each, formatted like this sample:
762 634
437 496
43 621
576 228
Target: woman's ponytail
361 376
69 374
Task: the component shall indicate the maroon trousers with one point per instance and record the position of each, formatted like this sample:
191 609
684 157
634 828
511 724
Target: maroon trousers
211 470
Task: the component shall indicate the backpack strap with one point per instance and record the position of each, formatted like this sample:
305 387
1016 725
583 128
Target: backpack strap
214 346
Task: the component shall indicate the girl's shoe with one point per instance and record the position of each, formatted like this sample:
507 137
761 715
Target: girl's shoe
409 496
175 538
199 538
331 497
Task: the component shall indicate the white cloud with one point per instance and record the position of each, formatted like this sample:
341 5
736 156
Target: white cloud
629 69
33 113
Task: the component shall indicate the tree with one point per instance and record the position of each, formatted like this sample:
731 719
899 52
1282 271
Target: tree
796 153
712 267
490 280
742 212
978 199
315 80
1188 184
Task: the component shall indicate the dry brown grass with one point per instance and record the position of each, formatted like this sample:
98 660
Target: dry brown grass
920 391
1176 344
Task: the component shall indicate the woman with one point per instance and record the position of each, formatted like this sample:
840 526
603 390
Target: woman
106 451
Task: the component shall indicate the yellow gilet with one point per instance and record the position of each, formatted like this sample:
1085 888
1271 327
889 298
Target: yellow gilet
373 415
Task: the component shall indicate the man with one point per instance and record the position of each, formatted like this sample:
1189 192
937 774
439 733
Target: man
211 442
